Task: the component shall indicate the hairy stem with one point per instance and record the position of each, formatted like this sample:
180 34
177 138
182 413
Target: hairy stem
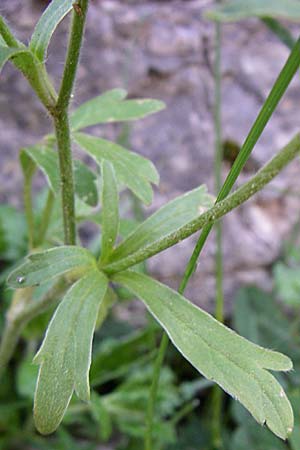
62 130
207 219
61 121
73 54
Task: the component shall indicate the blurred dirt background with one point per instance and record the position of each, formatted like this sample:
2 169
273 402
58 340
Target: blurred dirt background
164 49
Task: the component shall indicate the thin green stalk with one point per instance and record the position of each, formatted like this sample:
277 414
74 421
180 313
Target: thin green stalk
277 91
23 308
33 70
73 54
153 391
62 130
280 31
46 215
29 208
7 35
61 121
217 394
255 184
208 218
218 172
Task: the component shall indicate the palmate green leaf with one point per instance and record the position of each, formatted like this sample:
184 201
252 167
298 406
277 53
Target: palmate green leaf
65 355
46 160
45 27
237 365
41 267
110 210
132 170
164 222
6 53
235 10
111 107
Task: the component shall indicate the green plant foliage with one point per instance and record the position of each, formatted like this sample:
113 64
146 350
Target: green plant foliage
13 240
112 107
6 53
248 435
252 311
65 355
116 356
132 170
167 220
46 160
127 405
26 378
287 282
234 10
237 365
102 416
41 267
110 210
46 26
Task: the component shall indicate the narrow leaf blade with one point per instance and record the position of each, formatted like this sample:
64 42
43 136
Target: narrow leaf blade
111 107
237 365
65 355
131 169
164 222
110 210
6 53
45 27
85 181
46 159
235 10
41 267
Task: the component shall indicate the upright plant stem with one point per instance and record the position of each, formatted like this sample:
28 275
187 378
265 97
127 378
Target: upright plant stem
24 308
61 120
62 130
217 394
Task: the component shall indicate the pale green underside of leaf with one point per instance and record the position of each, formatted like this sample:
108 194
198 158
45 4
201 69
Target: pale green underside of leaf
110 210
47 161
41 267
165 221
132 170
221 355
231 11
45 27
65 355
8 52
112 107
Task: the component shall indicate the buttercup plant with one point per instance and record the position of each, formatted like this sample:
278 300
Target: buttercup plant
80 282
